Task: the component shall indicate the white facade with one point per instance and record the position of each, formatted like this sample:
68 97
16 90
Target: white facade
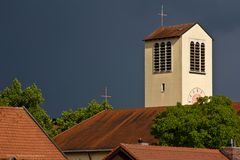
181 84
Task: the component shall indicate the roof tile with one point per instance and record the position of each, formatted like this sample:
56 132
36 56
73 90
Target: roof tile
108 129
22 138
169 31
145 152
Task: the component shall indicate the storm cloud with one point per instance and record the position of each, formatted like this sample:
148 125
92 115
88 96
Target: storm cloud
73 49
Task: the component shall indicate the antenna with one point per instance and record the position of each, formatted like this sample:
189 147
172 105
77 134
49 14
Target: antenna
162 14
106 96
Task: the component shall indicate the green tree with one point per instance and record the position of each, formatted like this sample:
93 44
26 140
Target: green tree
32 99
70 118
209 123
94 107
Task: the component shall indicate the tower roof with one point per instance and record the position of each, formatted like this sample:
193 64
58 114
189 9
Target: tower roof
169 31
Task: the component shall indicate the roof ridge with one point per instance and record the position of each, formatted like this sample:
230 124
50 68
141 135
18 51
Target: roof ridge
10 107
169 31
185 149
143 108
192 23
80 123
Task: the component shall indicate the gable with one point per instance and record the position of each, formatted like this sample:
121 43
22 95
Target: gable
23 138
119 154
200 31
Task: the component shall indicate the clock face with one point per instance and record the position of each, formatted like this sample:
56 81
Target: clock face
194 94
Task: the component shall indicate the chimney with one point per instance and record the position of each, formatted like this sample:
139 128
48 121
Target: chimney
140 141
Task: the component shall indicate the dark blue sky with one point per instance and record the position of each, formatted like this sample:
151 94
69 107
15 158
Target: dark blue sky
72 49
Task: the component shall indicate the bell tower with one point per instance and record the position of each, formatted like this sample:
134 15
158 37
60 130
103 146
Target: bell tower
178 65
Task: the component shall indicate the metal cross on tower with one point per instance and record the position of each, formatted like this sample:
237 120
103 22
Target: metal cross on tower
106 96
162 14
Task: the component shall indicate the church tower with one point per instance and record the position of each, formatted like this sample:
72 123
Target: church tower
178 65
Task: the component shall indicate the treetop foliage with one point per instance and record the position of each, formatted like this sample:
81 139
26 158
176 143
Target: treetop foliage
31 98
209 123
17 97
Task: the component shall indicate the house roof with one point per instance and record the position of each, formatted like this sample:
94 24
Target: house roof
145 152
169 31
108 129
21 137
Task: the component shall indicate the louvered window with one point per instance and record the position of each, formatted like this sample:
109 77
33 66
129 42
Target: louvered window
169 56
162 57
197 57
192 56
202 57
156 58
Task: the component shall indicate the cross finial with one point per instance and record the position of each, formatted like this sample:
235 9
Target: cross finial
162 14
106 96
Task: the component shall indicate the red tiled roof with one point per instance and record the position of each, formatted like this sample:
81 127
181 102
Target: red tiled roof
169 31
108 129
21 137
144 152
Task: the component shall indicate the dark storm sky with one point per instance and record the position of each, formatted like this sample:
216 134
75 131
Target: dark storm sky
72 49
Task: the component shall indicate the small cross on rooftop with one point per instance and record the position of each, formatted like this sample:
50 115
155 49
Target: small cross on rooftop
106 96
162 14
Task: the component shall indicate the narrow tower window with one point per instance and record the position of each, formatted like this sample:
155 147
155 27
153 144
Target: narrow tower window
162 57
169 57
192 57
197 57
156 58
202 57
163 87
